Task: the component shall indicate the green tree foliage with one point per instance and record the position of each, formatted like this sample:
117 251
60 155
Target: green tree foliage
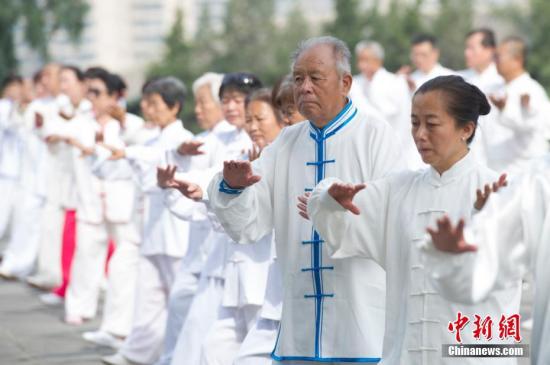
453 22
40 19
348 23
394 29
539 29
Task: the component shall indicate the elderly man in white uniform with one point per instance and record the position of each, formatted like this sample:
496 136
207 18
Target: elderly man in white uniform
519 131
387 93
324 299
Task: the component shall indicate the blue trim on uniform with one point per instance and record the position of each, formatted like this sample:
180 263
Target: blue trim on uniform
224 188
307 190
318 163
318 268
326 359
312 242
318 296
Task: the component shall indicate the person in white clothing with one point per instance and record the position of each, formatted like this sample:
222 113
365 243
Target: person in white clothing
480 56
106 205
258 344
203 152
425 59
10 155
324 299
165 237
212 292
518 133
386 220
508 239
387 93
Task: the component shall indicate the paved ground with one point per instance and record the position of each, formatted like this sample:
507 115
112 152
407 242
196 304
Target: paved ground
32 333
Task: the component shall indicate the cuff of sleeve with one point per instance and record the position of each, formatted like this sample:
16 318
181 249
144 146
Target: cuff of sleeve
224 188
130 152
330 203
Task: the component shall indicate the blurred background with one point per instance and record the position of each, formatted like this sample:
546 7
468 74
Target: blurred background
139 39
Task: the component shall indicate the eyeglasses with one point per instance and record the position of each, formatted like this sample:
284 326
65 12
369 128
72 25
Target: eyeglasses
95 92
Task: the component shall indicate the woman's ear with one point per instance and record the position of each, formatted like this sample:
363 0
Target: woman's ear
469 129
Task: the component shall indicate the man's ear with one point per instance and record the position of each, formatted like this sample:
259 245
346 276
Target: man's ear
346 82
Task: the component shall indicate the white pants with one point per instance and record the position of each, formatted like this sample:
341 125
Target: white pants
259 343
181 297
22 248
9 194
88 267
155 278
224 339
48 269
202 315
118 312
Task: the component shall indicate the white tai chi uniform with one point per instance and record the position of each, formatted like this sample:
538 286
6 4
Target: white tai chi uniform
491 83
516 134
258 345
512 234
164 243
37 228
187 277
206 304
394 215
388 94
420 77
11 148
323 299
107 209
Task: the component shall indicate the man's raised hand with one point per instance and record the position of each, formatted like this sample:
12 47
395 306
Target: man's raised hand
238 174
448 238
344 194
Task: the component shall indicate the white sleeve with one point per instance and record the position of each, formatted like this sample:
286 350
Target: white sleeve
505 234
247 214
347 234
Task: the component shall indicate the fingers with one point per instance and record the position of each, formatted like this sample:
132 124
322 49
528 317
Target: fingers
460 227
303 199
254 179
353 208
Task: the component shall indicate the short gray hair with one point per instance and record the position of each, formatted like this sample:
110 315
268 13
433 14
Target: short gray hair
340 50
373 46
212 79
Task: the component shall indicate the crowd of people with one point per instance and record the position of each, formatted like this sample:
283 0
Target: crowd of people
330 218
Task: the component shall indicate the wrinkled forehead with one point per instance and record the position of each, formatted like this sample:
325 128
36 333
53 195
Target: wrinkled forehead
320 57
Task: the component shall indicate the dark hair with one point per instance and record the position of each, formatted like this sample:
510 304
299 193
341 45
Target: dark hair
423 38
170 89
37 77
77 71
464 101
91 72
105 76
241 82
488 39
10 79
120 84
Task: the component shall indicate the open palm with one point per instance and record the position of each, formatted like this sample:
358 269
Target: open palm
344 194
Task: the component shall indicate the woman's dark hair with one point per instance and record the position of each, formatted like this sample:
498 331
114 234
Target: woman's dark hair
105 76
464 101
283 92
241 82
170 89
